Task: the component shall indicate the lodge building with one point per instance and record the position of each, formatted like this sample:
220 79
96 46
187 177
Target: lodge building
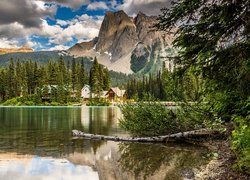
114 94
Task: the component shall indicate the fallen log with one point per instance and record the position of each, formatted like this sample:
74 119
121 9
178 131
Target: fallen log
201 133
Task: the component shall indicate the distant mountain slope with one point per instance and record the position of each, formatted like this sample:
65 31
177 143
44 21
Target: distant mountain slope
40 56
128 45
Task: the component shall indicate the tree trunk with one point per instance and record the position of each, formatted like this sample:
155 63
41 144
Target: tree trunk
201 133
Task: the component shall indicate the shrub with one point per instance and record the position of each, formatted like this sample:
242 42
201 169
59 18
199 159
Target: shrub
54 104
11 102
98 102
153 118
241 140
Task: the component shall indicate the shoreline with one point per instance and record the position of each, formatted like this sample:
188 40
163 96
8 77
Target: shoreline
220 165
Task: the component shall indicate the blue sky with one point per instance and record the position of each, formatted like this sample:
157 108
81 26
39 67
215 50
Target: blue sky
59 24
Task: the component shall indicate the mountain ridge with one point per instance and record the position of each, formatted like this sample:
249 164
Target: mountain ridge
126 44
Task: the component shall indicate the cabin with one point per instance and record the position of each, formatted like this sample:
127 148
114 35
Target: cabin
116 94
85 93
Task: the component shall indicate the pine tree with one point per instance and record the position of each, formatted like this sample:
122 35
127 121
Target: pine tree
94 77
106 79
82 75
11 80
73 74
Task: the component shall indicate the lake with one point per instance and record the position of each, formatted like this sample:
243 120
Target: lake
36 143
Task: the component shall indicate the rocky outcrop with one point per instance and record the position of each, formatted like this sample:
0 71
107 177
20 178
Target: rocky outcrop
84 46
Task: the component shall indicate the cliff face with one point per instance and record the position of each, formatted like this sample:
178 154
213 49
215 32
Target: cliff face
117 35
15 50
126 44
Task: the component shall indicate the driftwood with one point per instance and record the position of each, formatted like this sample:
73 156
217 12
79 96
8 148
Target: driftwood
158 139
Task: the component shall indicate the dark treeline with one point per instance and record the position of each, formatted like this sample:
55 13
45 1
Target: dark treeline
148 85
167 86
60 80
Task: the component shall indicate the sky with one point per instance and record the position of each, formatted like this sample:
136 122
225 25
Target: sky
59 24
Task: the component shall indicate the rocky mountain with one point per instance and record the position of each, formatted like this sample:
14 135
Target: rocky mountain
23 49
127 44
82 47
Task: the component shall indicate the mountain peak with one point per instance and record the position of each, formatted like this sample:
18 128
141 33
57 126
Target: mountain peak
126 43
140 13
117 30
111 13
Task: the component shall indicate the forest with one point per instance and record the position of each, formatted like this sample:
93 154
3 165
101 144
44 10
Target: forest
59 81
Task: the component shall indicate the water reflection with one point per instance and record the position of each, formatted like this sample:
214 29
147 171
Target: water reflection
27 167
47 131
154 161
36 143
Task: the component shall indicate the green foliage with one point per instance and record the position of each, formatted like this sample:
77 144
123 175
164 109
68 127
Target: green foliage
99 79
11 102
55 81
214 38
150 118
29 100
241 140
146 86
98 102
168 86
34 100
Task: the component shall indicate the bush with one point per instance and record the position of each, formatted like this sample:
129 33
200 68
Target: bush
241 140
29 103
11 102
153 118
98 102
30 100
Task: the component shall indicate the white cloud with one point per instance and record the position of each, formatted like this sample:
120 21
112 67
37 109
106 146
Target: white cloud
81 28
149 7
21 20
5 43
97 5
49 30
58 48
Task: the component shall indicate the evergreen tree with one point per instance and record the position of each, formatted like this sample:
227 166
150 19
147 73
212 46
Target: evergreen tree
106 79
82 75
213 37
11 79
73 74
94 78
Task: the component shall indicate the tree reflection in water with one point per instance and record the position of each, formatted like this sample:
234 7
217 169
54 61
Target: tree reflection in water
169 161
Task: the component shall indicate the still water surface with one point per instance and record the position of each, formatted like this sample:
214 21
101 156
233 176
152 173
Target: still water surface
36 143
